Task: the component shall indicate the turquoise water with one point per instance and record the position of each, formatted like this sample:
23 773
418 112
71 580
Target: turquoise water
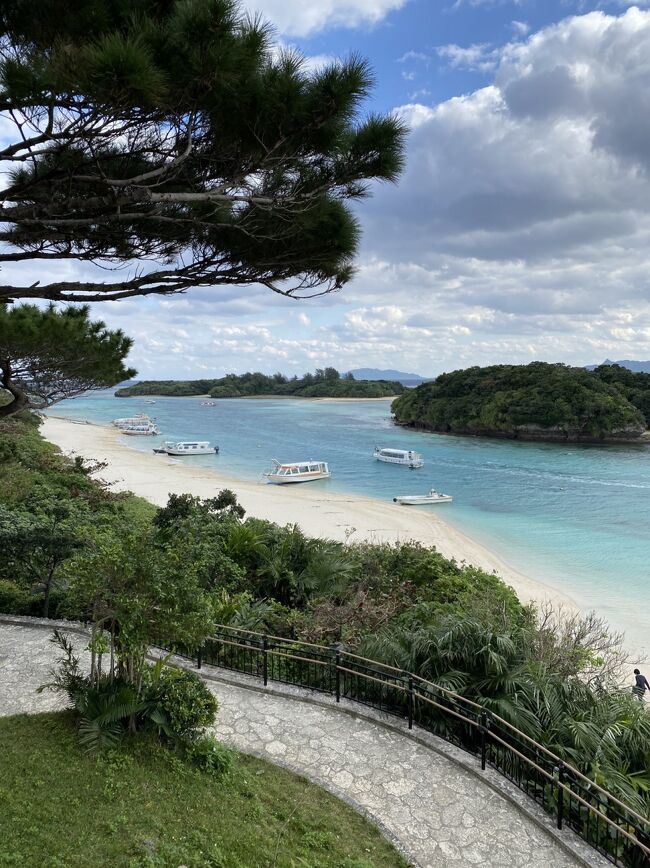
576 517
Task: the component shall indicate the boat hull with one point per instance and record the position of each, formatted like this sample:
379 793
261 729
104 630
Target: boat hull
405 462
287 480
414 500
182 453
139 433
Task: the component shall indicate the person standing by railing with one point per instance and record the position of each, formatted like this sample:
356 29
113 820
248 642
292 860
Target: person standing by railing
640 686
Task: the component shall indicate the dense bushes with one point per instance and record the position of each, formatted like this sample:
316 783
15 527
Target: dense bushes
538 400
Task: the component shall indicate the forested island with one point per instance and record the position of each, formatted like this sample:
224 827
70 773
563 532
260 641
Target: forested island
539 401
324 383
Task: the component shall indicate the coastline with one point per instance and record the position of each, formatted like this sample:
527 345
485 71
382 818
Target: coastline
255 398
530 436
334 515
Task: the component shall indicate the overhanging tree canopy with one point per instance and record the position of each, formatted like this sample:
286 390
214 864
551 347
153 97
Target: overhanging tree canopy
172 133
47 355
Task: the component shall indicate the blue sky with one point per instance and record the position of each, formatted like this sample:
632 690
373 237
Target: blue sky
420 27
520 229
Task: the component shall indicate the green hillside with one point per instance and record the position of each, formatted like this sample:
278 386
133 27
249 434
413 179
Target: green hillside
538 401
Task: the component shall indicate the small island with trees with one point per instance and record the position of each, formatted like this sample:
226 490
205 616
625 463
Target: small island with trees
324 383
539 401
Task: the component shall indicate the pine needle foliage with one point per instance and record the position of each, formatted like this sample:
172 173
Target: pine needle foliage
175 133
47 355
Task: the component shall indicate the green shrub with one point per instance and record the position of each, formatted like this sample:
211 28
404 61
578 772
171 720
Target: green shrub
184 700
209 755
13 599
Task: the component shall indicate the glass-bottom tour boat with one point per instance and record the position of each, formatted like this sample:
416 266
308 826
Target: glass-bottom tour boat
297 471
407 457
188 447
145 429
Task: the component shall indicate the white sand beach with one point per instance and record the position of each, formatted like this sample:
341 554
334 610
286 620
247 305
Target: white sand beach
336 516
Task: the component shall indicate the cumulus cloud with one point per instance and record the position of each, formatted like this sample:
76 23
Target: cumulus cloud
305 17
528 199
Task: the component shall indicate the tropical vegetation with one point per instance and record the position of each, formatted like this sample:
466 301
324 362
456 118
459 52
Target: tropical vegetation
141 806
538 401
324 383
555 675
182 135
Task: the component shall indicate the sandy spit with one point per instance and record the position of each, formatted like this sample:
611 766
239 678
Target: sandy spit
336 516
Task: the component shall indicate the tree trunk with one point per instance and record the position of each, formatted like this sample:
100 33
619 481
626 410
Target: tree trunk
46 601
20 398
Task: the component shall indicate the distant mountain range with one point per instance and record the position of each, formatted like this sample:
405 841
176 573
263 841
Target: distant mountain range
630 364
378 374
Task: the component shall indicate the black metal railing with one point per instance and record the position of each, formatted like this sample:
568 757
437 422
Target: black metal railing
614 829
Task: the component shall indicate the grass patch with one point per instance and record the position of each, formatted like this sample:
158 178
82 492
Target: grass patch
141 806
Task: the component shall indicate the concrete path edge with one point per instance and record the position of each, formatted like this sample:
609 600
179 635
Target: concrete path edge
568 840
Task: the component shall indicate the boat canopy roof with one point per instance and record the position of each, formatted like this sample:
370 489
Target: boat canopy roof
192 443
280 465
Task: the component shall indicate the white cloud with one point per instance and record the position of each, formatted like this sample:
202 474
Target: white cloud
520 28
304 17
524 212
413 55
479 57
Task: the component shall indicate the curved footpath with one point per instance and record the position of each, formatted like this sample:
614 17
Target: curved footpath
426 798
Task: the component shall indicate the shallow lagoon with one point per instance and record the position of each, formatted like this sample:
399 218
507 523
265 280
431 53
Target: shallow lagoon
576 517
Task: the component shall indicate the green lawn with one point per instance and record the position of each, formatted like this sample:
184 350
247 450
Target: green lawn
141 806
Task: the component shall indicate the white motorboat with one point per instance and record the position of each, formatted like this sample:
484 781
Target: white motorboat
417 499
407 457
143 430
297 471
188 447
149 401
208 403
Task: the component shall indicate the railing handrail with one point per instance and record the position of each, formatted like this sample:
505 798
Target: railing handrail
264 638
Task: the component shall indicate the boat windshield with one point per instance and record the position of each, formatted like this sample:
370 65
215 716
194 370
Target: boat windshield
299 469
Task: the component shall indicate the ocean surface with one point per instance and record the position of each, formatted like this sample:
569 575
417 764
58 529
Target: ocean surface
575 517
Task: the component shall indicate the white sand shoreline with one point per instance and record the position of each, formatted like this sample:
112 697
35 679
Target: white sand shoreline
334 515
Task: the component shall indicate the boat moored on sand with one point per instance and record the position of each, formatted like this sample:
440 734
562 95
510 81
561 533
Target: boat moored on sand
145 429
420 499
129 421
406 457
297 471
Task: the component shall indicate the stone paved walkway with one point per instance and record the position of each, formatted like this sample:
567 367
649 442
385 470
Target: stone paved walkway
439 812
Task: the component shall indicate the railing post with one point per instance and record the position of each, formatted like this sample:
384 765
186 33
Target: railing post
265 659
483 731
410 702
560 795
337 663
199 657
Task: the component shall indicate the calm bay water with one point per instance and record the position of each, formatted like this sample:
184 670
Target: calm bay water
576 517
